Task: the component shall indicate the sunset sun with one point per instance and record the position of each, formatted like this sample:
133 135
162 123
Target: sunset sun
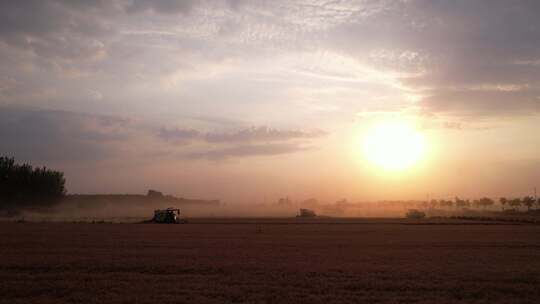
393 145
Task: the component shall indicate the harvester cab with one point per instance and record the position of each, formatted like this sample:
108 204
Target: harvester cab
167 216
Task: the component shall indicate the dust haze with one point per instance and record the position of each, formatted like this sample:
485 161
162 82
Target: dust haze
138 208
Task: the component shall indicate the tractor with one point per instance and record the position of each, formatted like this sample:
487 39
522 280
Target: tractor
167 216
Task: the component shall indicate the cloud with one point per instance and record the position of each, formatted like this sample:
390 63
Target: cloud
214 67
179 135
260 134
249 150
457 45
452 125
239 57
246 142
161 6
93 94
484 102
41 135
45 135
62 31
249 135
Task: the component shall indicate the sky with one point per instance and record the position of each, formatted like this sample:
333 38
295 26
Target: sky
249 101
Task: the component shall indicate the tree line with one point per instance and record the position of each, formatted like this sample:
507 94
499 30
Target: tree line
514 204
22 185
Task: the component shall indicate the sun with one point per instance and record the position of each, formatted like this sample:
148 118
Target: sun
393 145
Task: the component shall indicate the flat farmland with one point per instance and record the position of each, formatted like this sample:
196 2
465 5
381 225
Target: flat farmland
270 261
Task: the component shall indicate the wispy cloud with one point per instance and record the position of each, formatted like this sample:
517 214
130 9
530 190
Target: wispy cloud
248 135
247 150
35 134
436 50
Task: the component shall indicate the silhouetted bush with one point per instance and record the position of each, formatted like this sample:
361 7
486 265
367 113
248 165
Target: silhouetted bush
22 186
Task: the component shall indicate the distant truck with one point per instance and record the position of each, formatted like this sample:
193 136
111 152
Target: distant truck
167 216
306 213
415 214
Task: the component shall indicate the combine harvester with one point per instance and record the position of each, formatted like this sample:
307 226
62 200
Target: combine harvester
415 214
167 216
306 213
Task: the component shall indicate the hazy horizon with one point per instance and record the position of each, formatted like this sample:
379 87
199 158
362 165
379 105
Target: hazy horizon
247 101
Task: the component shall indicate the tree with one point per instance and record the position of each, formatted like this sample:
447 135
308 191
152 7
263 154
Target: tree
445 203
486 202
23 186
528 201
462 203
459 202
503 201
515 203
